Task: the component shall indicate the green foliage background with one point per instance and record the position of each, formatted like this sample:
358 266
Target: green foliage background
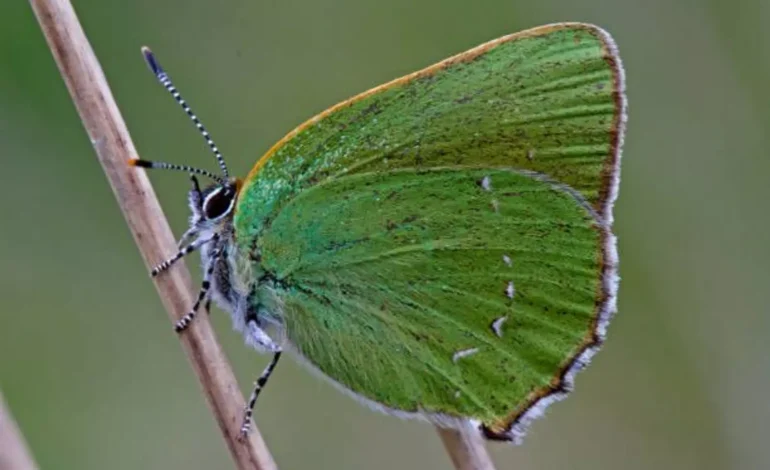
90 365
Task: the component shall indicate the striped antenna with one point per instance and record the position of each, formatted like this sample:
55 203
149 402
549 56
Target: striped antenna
174 166
164 80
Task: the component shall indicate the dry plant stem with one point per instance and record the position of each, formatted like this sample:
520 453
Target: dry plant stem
101 118
466 449
14 454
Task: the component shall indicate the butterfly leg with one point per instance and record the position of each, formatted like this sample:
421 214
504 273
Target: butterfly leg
258 386
184 251
257 338
185 321
191 232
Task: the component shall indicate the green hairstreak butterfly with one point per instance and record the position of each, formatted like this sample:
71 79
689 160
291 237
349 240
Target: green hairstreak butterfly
439 246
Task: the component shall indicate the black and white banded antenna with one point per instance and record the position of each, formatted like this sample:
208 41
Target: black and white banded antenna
164 80
174 166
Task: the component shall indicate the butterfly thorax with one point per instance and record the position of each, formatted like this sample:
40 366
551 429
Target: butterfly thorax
233 284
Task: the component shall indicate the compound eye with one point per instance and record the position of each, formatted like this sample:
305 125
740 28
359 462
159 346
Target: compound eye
218 203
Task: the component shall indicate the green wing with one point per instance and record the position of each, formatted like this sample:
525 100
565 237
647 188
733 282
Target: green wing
442 244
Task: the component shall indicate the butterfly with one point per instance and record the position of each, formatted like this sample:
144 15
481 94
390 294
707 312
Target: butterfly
439 246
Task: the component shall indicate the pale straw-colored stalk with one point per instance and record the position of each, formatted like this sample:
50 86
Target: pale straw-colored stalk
108 133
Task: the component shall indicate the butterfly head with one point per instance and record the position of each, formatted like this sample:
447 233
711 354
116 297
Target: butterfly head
213 205
218 203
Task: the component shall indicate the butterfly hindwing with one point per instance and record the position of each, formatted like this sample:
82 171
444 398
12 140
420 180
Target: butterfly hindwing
454 292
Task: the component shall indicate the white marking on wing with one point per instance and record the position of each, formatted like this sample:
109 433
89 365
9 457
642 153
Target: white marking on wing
510 290
497 326
486 183
464 353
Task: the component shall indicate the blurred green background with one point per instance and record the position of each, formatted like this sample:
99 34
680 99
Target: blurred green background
94 373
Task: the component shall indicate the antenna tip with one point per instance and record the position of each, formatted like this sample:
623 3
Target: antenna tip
149 57
139 163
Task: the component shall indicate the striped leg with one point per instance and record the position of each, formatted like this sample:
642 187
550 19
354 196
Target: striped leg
184 251
185 321
258 386
191 232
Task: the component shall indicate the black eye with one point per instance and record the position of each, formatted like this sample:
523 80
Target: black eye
218 203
